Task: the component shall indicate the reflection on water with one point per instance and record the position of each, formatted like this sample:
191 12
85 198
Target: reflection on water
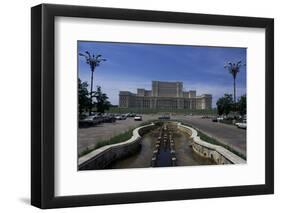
185 156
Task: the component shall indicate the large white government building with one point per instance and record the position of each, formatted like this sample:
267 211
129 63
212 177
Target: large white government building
165 95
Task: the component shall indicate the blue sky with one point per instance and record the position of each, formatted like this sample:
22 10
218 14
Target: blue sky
130 66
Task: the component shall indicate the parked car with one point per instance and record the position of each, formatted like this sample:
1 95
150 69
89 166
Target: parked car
123 117
138 118
109 118
118 117
164 117
91 120
205 117
220 118
215 119
241 125
129 115
96 114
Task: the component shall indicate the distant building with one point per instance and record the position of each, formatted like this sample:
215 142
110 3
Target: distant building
165 95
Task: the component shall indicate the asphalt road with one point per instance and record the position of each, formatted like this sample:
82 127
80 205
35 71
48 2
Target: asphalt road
88 137
225 133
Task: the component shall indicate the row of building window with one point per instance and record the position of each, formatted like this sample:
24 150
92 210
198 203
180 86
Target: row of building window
125 101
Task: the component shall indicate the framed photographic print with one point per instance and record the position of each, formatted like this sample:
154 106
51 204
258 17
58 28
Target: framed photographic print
140 106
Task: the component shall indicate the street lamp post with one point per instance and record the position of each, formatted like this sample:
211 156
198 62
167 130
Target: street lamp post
93 61
233 69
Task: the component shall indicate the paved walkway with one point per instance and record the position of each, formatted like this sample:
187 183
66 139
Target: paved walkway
227 134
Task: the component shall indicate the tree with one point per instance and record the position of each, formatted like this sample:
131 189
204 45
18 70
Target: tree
102 102
225 104
93 61
83 96
242 105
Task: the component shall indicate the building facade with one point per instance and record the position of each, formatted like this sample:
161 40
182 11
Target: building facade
165 95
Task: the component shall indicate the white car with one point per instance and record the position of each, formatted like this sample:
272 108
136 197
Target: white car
138 118
118 117
241 125
219 118
90 118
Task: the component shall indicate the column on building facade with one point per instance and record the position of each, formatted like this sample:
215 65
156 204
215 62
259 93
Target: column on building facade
165 95
151 103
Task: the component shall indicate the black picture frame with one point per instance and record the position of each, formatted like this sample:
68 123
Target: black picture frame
43 110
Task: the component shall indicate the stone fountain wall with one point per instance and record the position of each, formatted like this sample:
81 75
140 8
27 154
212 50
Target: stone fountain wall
104 156
218 154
